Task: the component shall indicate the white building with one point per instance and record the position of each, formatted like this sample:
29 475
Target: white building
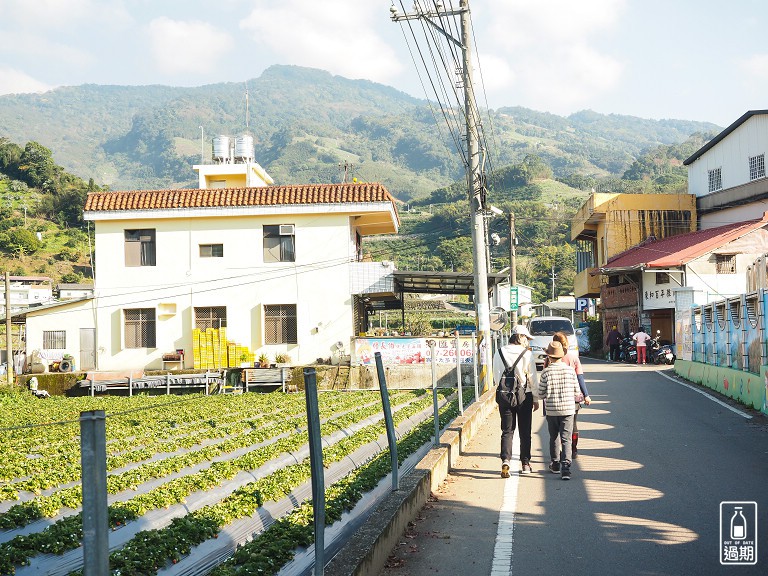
66 291
279 267
26 292
728 176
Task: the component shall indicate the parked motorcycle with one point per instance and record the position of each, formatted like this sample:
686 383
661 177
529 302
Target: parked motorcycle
653 349
666 354
628 350
660 353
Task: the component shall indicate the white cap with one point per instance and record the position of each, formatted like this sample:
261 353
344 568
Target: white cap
520 329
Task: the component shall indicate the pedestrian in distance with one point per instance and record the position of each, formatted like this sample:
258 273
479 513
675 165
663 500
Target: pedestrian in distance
573 361
558 387
641 339
612 340
517 357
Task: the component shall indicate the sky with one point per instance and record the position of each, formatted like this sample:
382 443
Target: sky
701 60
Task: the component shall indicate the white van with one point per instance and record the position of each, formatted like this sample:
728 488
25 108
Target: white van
542 328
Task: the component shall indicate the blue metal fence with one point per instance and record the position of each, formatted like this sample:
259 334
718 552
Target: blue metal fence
732 332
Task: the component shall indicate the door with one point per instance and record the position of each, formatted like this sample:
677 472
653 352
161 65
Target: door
87 349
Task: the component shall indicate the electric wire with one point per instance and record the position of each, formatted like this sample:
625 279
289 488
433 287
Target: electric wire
443 107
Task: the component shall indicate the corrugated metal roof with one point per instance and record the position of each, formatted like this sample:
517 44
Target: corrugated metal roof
681 249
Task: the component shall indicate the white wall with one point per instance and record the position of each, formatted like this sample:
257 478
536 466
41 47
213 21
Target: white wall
70 317
659 296
318 283
731 155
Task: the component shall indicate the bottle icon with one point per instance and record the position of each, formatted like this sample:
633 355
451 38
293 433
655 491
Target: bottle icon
738 524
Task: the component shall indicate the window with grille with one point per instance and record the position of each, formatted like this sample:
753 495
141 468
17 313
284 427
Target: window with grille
726 263
662 278
140 247
757 166
279 243
54 339
280 324
139 327
715 179
211 250
210 317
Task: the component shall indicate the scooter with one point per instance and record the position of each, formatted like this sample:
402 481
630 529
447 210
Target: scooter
653 349
628 350
660 353
666 354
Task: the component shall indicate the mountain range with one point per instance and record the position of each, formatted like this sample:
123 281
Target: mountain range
307 124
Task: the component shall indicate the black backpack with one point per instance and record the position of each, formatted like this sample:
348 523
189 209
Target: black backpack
510 391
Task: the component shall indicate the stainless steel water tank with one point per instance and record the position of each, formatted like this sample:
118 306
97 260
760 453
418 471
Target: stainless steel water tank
221 149
244 148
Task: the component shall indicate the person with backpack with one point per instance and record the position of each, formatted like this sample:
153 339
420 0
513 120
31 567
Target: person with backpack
558 386
514 372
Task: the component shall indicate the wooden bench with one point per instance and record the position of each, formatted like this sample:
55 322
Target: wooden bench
265 377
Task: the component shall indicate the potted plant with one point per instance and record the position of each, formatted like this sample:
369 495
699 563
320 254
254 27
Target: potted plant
244 360
263 360
282 359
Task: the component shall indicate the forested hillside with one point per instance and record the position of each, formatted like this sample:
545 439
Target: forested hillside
304 123
307 123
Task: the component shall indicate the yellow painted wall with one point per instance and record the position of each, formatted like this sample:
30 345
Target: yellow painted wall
621 221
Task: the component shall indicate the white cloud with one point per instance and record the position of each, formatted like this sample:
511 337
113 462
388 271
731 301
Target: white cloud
187 46
17 82
57 14
755 66
334 35
551 51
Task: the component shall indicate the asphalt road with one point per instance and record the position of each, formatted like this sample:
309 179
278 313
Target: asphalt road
656 459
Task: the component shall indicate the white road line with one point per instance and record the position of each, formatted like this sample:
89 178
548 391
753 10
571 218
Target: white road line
502 551
723 404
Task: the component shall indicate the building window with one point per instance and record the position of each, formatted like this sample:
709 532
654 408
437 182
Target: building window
140 247
715 179
280 324
662 278
211 317
757 166
139 327
54 339
211 250
279 243
726 263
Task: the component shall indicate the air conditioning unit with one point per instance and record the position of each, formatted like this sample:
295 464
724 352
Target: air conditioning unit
287 229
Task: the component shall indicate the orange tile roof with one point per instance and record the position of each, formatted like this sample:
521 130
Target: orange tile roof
354 192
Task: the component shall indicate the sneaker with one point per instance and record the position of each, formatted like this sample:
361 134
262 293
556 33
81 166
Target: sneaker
566 473
554 467
505 470
526 468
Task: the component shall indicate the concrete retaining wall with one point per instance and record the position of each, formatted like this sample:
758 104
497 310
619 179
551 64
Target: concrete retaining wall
748 388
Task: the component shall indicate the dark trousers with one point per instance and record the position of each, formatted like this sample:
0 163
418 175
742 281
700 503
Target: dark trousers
560 438
614 352
520 416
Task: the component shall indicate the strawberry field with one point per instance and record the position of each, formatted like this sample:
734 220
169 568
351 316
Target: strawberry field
196 484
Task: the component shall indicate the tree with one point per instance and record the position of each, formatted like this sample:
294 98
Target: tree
20 241
456 253
37 164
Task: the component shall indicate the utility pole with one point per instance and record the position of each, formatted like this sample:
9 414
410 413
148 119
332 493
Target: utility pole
513 262
475 186
8 338
554 276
